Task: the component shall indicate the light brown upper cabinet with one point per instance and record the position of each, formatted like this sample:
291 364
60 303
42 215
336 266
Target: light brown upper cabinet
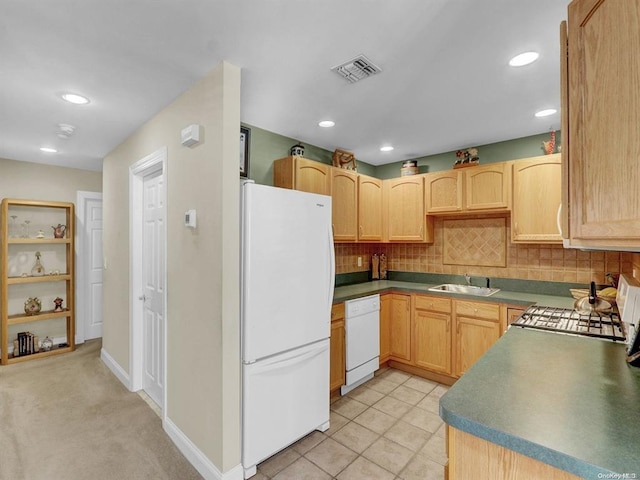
444 192
487 187
302 174
600 81
369 208
483 188
405 210
344 204
536 200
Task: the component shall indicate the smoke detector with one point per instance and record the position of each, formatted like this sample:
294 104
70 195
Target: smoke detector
65 130
357 69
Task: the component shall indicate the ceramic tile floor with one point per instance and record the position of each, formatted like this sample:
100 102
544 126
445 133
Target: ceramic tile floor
386 429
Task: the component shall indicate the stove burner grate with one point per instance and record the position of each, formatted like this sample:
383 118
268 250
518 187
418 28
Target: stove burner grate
606 325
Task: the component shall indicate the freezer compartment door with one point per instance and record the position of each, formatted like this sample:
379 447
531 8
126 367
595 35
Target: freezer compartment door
287 270
284 398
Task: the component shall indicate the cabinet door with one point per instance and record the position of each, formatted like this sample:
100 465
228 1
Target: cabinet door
385 327
604 114
337 364
369 208
400 328
443 192
344 201
432 347
536 199
312 177
513 313
487 187
474 336
406 217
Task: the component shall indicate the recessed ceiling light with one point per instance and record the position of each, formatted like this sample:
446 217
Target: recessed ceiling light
326 123
75 98
545 113
48 150
524 59
386 148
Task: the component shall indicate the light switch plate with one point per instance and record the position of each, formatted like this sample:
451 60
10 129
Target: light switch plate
190 218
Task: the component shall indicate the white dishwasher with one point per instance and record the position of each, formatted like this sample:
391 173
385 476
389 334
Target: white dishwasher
362 325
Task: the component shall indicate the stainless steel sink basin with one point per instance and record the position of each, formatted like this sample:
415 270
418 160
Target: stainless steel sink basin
464 289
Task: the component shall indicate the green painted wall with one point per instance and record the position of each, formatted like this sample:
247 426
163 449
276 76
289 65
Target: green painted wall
491 153
265 147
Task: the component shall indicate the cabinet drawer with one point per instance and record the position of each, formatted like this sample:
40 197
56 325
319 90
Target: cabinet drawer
488 311
337 312
434 304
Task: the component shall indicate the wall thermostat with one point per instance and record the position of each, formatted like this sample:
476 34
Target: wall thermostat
191 135
190 218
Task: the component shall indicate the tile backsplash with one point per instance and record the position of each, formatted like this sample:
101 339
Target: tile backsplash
526 262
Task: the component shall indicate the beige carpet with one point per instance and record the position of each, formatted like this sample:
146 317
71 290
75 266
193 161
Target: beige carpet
68 417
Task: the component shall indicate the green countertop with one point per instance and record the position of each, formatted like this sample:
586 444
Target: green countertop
568 401
349 292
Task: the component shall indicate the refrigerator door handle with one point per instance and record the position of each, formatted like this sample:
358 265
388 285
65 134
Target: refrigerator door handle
332 270
271 366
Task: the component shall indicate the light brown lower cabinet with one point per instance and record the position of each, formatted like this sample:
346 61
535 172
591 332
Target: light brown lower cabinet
434 336
474 457
513 313
385 327
440 337
400 328
432 333
477 329
337 361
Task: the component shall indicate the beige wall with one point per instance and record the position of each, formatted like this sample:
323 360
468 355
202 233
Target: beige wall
203 358
35 181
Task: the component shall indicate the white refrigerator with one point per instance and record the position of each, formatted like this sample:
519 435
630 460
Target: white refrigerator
287 280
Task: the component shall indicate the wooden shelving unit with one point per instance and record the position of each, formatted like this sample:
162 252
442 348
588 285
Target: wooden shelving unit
10 244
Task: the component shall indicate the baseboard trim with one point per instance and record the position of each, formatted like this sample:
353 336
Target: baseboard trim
115 368
199 460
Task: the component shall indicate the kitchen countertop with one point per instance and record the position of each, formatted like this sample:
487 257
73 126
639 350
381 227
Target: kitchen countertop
568 401
524 299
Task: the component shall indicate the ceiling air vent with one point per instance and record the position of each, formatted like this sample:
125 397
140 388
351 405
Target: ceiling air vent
356 69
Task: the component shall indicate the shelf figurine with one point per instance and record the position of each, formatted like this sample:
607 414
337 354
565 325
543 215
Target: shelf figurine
32 306
38 268
58 305
58 232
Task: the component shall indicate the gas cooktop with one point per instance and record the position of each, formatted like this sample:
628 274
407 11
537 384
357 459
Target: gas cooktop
604 325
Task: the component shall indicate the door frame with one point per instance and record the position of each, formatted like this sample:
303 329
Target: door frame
154 162
82 252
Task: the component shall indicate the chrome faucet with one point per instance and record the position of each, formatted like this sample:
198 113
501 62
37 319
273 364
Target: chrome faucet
467 277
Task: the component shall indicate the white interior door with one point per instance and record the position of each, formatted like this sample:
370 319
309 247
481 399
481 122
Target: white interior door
89 266
153 285
93 268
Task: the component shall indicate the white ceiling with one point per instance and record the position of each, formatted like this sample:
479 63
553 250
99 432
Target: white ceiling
445 82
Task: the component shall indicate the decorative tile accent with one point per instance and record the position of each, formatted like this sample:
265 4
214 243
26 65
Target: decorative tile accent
475 241
526 262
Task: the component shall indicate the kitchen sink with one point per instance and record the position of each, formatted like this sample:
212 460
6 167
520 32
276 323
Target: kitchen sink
464 289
